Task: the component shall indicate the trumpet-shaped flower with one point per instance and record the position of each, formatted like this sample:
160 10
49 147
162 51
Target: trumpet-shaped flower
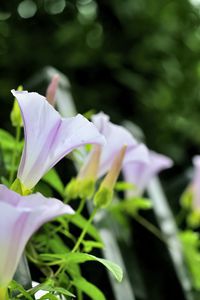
104 195
20 217
116 137
48 137
140 173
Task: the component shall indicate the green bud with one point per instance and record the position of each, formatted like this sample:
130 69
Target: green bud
72 189
15 116
18 187
87 188
187 199
194 219
103 197
82 188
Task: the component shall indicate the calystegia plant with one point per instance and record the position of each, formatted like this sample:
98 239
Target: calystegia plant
33 193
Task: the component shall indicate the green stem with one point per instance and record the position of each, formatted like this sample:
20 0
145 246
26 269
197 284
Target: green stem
14 156
149 226
81 237
79 294
3 293
81 206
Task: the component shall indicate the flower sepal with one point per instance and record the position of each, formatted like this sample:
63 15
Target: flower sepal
103 197
87 188
80 188
18 187
72 189
3 293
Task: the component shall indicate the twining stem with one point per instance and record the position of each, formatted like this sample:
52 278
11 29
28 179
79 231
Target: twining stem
14 156
83 233
3 293
149 226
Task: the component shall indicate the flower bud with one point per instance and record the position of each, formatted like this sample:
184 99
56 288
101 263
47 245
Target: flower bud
87 188
104 195
193 219
88 174
91 167
84 185
15 116
72 189
51 90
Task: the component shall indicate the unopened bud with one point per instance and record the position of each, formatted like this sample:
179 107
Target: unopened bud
187 198
91 167
72 189
80 188
87 188
15 116
193 219
51 90
111 177
88 174
104 195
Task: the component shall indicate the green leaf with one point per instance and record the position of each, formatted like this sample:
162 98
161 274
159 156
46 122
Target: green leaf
49 296
49 287
53 179
63 291
16 286
56 289
77 258
7 141
124 186
132 205
88 288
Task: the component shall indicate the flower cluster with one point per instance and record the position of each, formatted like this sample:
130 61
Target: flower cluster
48 138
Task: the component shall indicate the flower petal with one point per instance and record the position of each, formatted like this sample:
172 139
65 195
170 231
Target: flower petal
140 173
48 137
116 137
20 218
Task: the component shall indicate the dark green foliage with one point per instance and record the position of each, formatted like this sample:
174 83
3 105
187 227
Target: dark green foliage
140 57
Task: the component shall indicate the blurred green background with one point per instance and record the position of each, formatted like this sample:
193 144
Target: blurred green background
134 59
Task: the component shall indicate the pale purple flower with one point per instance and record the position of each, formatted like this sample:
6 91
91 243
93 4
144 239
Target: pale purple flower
196 182
140 173
48 136
116 137
20 217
